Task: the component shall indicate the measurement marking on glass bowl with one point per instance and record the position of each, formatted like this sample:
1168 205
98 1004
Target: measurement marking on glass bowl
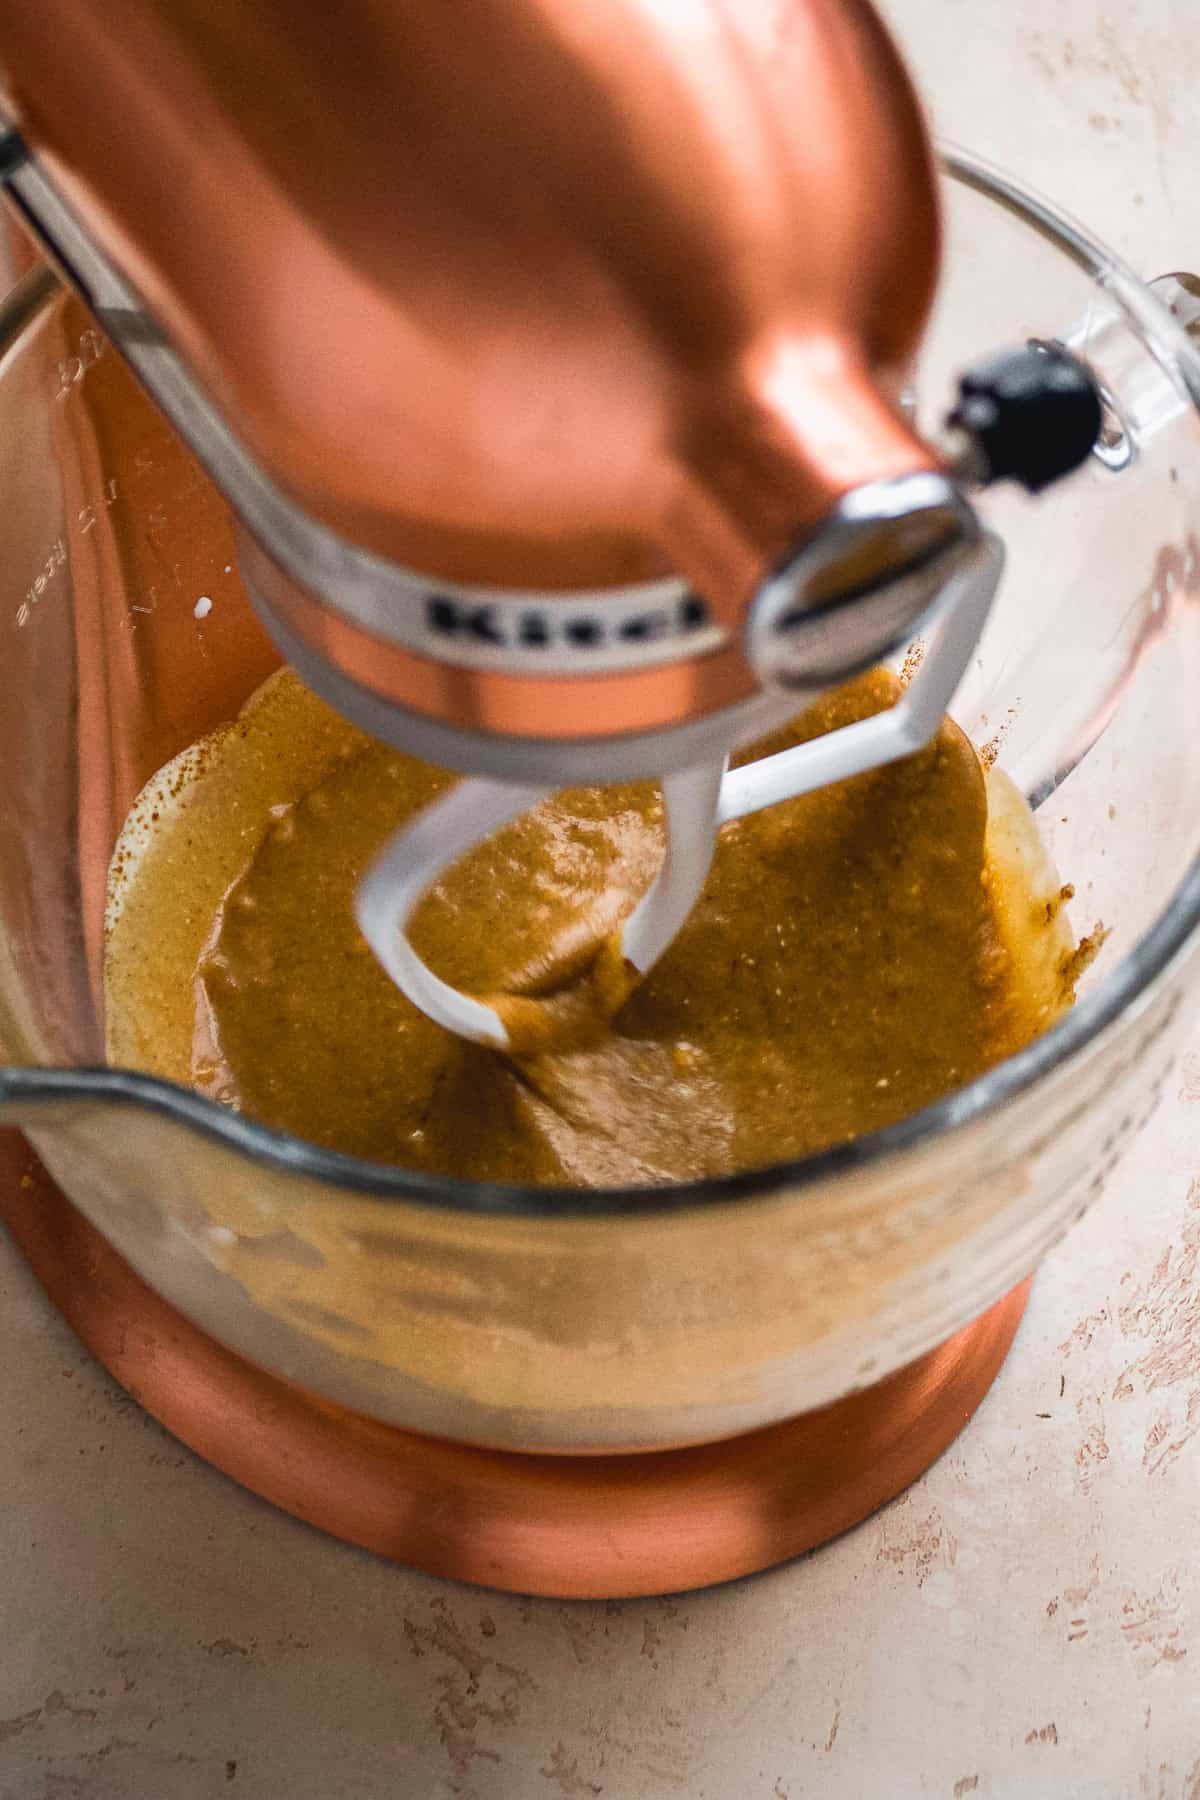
87 515
56 560
86 519
90 347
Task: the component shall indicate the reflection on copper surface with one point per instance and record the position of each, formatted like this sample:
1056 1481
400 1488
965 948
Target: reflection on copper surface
578 1527
18 252
113 532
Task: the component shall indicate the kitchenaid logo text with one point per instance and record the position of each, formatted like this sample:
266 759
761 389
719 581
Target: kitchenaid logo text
622 625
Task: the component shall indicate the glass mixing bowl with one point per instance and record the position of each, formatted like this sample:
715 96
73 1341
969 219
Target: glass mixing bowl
614 1320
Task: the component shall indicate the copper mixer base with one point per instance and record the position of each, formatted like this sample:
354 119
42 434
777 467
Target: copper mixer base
572 1527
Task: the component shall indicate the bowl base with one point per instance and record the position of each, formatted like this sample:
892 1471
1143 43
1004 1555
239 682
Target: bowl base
569 1526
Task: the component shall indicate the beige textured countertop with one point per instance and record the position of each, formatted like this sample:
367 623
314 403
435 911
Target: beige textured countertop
1026 1621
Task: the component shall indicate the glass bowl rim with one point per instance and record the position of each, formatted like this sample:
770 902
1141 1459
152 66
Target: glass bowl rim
24 1092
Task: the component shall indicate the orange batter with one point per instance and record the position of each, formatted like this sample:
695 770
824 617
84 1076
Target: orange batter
856 954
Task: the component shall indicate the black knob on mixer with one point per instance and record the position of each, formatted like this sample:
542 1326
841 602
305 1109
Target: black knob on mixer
1030 415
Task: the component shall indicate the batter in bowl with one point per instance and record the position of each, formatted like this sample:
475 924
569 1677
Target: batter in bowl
856 954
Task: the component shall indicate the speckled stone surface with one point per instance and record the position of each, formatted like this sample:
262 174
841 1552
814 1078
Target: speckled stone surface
1026 1621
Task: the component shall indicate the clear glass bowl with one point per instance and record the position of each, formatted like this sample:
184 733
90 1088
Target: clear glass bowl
615 1320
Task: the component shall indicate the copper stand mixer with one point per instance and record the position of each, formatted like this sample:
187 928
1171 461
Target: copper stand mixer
618 369
554 369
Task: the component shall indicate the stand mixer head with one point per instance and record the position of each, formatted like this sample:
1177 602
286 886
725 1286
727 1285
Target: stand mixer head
553 367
